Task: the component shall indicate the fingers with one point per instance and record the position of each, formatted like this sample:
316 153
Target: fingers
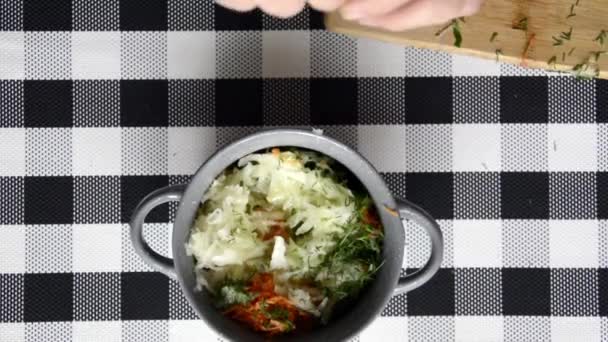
420 13
326 5
357 9
237 5
281 8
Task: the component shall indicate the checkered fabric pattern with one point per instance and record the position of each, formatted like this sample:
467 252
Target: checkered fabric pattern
102 102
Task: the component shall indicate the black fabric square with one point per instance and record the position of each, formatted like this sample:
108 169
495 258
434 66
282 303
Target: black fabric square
47 15
95 15
97 296
433 192
191 15
378 103
11 297
11 103
603 291
97 103
477 195
572 195
144 103
317 20
396 307
11 15
286 102
333 101
144 296
191 103
524 100
143 15
601 191
48 200
435 298
525 195
526 291
574 292
134 188
299 21
244 111
48 297
601 100
97 199
478 292
48 103
229 20
11 201
396 183
428 100
179 307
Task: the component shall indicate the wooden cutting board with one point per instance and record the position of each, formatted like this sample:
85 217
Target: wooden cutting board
545 19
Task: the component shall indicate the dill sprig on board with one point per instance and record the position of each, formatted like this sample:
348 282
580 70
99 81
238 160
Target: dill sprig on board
493 36
572 14
601 37
522 24
551 62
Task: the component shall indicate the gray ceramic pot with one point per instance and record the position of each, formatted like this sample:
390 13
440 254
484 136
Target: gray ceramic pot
364 310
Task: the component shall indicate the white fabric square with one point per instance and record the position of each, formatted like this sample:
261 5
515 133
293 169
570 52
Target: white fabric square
569 329
333 54
144 55
12 55
385 329
574 243
528 328
478 328
48 248
427 63
602 153
428 148
13 332
47 55
191 54
12 151
96 151
189 147
524 147
12 249
96 248
572 147
472 66
157 235
238 54
477 243
379 59
286 54
96 55
97 331
476 147
383 146
190 330
48 151
144 151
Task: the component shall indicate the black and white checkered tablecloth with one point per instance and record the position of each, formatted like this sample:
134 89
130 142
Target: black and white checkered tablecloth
103 101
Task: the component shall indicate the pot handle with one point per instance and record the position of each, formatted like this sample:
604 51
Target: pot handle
156 261
412 212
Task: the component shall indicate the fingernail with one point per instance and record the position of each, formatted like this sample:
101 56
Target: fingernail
352 13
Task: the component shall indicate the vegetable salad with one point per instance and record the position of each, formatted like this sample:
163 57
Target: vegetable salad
280 238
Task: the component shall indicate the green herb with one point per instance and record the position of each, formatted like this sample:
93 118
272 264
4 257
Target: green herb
522 24
232 293
551 61
571 51
577 2
601 37
278 313
597 55
455 25
498 54
571 14
557 41
494 35
563 56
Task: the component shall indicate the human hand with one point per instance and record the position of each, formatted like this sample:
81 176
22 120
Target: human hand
394 15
